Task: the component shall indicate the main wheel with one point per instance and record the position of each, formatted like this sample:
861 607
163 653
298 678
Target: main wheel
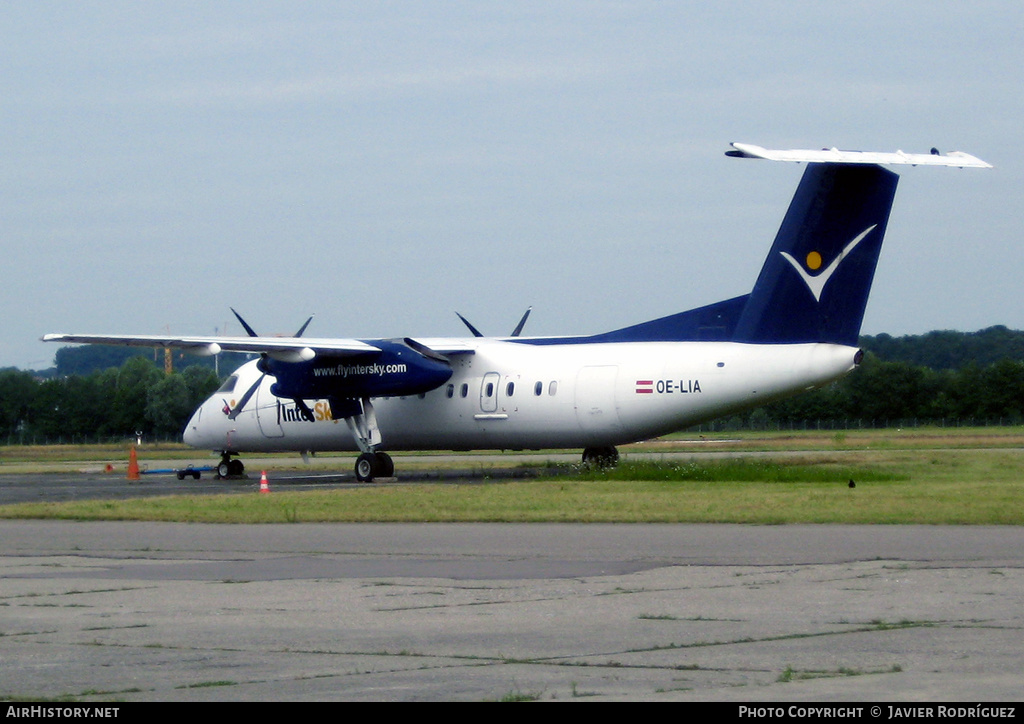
386 466
601 457
367 468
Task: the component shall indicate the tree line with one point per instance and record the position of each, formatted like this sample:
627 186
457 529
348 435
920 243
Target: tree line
972 378
118 402
942 377
883 393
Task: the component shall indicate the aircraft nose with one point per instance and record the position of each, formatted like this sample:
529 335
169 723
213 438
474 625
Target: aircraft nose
190 435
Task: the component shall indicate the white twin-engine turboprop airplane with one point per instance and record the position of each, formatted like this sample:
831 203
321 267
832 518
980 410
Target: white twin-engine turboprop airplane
796 330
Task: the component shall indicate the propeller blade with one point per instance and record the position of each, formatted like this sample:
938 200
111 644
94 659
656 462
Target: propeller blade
249 330
519 327
307 414
515 332
252 332
303 327
474 330
424 350
245 398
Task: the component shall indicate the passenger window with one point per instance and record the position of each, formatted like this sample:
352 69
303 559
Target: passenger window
553 388
538 388
510 388
451 391
464 391
490 389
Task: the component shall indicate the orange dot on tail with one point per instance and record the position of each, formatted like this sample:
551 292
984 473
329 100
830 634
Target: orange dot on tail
814 261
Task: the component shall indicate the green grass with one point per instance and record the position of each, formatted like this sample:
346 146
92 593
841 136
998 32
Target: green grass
924 486
739 470
87 453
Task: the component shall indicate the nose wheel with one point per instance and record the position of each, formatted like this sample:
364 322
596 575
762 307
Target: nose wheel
372 465
228 468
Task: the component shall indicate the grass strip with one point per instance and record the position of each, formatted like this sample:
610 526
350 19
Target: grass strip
981 487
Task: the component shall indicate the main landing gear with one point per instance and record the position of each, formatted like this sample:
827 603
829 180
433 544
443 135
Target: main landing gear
372 465
600 458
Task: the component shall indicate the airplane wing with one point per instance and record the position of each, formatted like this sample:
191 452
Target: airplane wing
287 349
834 155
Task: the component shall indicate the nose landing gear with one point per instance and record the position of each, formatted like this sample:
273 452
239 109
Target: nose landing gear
228 468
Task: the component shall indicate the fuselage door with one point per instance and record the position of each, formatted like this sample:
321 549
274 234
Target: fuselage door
268 412
489 392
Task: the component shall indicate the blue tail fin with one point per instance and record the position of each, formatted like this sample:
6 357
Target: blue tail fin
814 284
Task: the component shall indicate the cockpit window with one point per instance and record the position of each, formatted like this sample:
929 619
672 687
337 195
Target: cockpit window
229 384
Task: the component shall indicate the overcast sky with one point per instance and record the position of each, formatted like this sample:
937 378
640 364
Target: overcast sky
384 164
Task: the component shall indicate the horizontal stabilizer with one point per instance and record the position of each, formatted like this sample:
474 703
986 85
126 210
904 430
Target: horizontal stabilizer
957 159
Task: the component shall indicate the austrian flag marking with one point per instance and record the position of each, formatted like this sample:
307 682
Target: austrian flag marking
667 387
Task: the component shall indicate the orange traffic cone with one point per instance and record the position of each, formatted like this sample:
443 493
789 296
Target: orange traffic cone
133 466
264 486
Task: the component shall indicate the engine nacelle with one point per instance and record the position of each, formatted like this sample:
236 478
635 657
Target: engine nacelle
397 370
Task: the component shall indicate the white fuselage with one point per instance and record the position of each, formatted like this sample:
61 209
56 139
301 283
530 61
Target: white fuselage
516 395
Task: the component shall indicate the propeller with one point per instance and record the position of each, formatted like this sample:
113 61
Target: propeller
262 367
245 397
519 327
245 325
476 332
252 333
515 332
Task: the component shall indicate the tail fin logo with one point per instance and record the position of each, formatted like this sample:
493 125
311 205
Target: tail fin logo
816 283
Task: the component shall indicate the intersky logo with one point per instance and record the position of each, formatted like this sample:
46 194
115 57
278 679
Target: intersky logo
816 284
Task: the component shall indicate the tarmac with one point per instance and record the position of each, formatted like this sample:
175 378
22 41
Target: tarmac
99 612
